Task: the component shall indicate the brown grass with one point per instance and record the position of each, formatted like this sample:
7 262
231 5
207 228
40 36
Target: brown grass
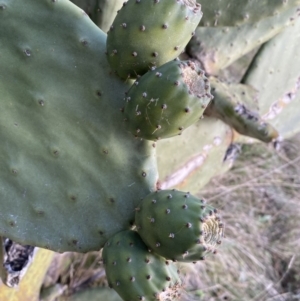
260 257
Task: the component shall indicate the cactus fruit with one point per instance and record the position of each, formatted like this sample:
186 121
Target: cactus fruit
137 274
237 12
150 33
178 225
66 155
167 100
229 106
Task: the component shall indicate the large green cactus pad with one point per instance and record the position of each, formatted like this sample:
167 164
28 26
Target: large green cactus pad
203 147
237 12
70 175
218 47
275 73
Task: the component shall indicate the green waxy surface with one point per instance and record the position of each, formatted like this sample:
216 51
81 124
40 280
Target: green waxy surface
218 47
70 175
275 73
150 33
167 100
102 12
229 106
178 225
237 12
137 274
189 161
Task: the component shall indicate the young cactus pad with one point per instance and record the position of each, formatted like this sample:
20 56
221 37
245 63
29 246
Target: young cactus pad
178 226
167 100
135 273
150 33
70 174
229 105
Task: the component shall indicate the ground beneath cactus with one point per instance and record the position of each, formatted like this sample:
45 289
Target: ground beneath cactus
259 259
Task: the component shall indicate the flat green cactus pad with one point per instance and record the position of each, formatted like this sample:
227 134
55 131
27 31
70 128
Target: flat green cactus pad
237 12
203 147
218 47
275 73
70 175
102 12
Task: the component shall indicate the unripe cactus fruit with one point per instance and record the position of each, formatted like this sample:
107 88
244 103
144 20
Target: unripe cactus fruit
167 100
178 226
135 273
150 33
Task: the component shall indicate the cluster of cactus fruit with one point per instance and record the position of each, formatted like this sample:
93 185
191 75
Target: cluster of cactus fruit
171 226
78 175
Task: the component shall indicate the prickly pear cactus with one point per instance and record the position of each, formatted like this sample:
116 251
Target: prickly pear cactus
275 73
187 162
178 226
218 47
236 12
137 274
101 12
150 33
70 173
231 106
167 100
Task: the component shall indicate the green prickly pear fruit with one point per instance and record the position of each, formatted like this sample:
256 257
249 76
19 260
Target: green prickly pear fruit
137 274
178 226
150 33
167 100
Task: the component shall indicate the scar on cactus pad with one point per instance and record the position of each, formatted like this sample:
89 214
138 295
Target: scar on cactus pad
167 100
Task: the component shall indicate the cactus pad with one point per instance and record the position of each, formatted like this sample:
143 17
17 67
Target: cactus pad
189 161
178 226
229 105
70 174
135 273
237 12
218 47
102 12
275 73
167 100
150 33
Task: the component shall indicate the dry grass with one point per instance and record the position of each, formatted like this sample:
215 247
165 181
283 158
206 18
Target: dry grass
259 259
